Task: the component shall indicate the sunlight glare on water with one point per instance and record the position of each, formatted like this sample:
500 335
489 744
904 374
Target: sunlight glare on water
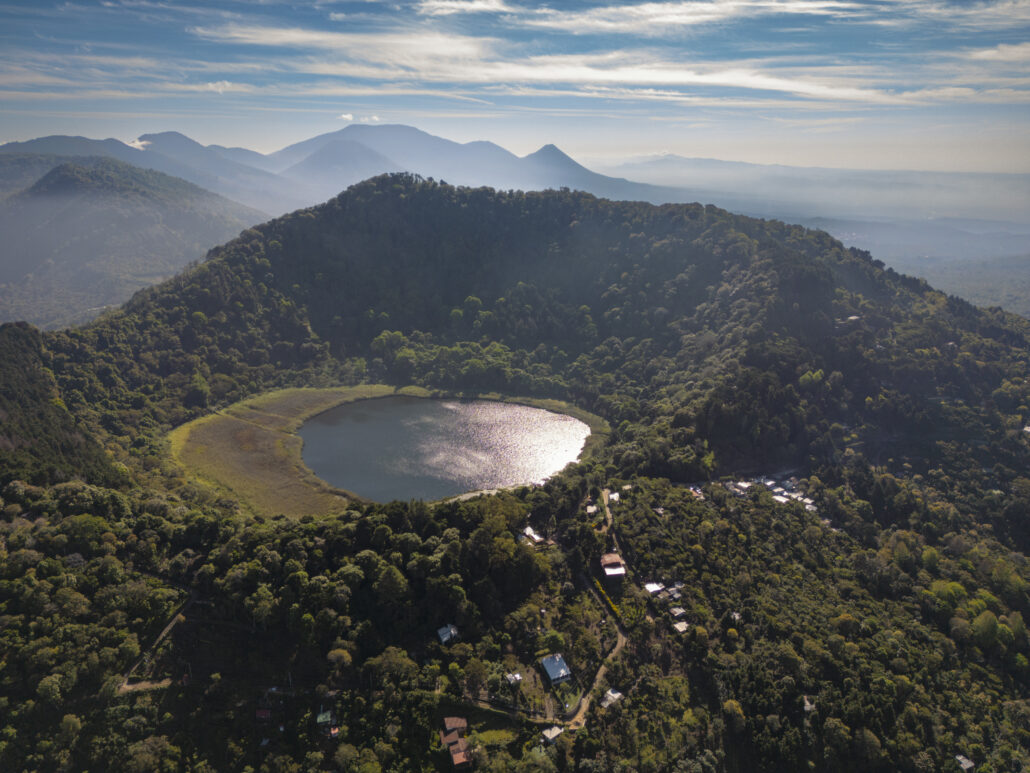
412 448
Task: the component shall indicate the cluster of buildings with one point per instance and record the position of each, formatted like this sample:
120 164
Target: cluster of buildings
670 596
452 737
782 491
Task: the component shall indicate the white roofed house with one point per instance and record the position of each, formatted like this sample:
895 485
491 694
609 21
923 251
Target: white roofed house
550 735
613 565
610 697
532 535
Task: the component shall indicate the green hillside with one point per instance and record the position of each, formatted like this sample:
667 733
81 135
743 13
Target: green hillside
867 615
90 232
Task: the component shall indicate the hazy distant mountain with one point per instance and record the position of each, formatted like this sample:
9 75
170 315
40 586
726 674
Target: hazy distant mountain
905 218
985 262
338 164
404 148
177 155
316 169
793 192
412 149
245 156
87 236
20 170
212 169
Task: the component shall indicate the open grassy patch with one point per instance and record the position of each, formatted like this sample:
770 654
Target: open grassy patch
251 452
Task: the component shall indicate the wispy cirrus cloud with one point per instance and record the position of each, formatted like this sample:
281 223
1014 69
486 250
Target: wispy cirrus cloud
416 45
463 61
986 15
657 19
451 7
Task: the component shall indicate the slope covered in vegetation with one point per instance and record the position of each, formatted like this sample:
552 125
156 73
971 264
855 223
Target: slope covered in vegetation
90 232
877 626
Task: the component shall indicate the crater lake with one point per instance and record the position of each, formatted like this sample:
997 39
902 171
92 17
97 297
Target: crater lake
421 448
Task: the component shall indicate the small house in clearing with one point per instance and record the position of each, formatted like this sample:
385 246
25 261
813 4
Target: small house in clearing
532 535
613 565
610 697
556 668
550 735
326 721
447 633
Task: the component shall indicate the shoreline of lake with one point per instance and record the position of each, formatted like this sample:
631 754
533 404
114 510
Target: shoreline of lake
249 451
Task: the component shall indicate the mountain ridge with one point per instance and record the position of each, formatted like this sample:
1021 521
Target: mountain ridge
913 206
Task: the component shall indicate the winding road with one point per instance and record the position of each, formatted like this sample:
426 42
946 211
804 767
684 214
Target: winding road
579 718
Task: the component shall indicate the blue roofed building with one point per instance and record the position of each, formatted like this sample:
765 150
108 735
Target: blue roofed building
556 668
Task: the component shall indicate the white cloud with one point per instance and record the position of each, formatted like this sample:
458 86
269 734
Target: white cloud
983 15
656 19
416 61
220 86
346 116
1020 52
380 47
448 7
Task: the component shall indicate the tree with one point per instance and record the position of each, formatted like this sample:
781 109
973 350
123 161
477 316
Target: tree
391 587
475 676
985 629
734 714
49 689
261 604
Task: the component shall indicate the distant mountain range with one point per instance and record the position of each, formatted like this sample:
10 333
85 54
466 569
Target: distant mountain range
88 234
317 169
916 221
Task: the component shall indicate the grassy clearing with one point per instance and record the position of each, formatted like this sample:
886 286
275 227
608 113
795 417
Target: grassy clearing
251 452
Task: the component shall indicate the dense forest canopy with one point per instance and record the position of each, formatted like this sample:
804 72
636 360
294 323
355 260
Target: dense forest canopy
879 626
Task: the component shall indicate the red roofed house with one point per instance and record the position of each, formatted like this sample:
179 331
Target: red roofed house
453 738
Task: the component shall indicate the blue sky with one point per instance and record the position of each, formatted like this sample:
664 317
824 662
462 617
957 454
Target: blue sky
915 84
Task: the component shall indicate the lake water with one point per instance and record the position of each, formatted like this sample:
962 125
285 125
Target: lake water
414 448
